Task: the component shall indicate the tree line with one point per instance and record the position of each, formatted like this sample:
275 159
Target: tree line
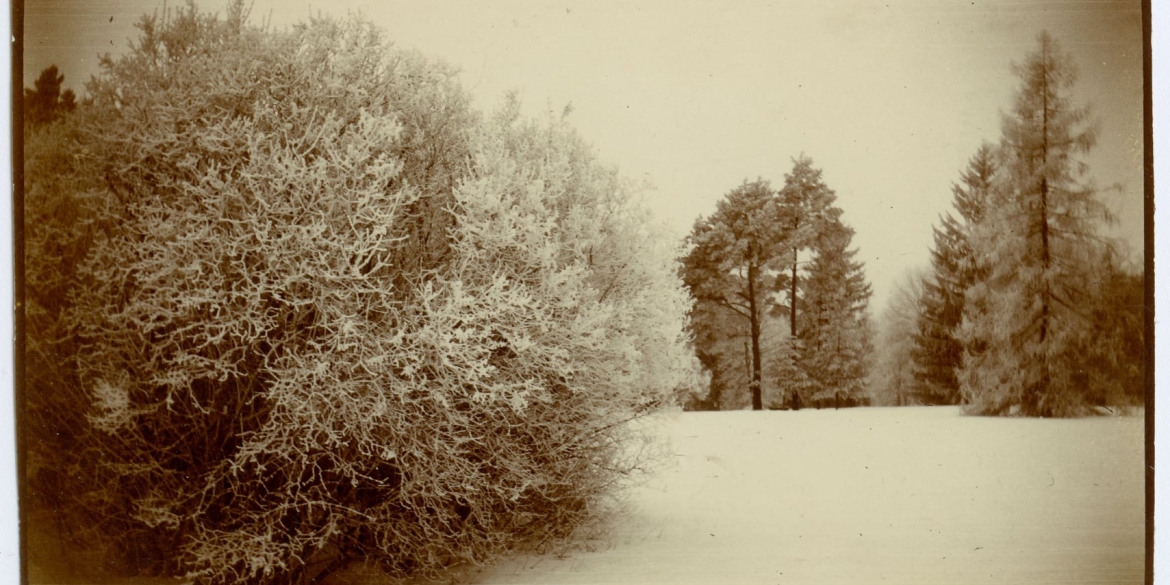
1026 308
781 303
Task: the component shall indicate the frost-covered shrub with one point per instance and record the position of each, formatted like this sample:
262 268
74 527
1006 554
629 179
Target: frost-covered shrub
334 315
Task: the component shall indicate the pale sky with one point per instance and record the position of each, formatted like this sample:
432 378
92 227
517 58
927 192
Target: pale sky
890 99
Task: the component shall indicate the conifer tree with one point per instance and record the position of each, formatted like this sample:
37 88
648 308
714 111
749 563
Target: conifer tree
45 101
807 210
1113 354
837 337
937 352
733 264
1039 246
745 261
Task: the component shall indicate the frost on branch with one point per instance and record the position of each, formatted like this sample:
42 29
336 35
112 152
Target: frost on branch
331 314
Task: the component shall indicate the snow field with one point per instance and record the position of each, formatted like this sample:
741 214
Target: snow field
873 495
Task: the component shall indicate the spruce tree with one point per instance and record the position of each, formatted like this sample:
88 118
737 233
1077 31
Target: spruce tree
837 336
1113 354
937 352
1038 243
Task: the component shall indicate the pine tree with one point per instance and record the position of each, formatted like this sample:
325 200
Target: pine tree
745 261
806 209
733 263
937 352
45 102
1039 246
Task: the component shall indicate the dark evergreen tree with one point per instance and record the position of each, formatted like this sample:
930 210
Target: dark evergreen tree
745 261
937 352
836 336
45 102
1112 370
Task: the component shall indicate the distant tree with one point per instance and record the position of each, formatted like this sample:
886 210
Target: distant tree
836 340
937 351
894 380
45 102
1039 245
742 263
732 268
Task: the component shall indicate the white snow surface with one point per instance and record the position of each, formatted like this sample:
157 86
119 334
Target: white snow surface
872 495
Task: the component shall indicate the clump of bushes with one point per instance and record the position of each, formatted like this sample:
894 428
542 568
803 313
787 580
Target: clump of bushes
292 303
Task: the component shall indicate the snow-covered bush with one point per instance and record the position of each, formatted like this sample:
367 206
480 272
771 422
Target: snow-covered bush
335 315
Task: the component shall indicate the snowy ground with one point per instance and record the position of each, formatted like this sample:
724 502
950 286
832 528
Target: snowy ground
874 495
863 495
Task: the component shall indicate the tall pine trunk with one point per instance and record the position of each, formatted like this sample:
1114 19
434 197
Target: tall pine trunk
754 318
